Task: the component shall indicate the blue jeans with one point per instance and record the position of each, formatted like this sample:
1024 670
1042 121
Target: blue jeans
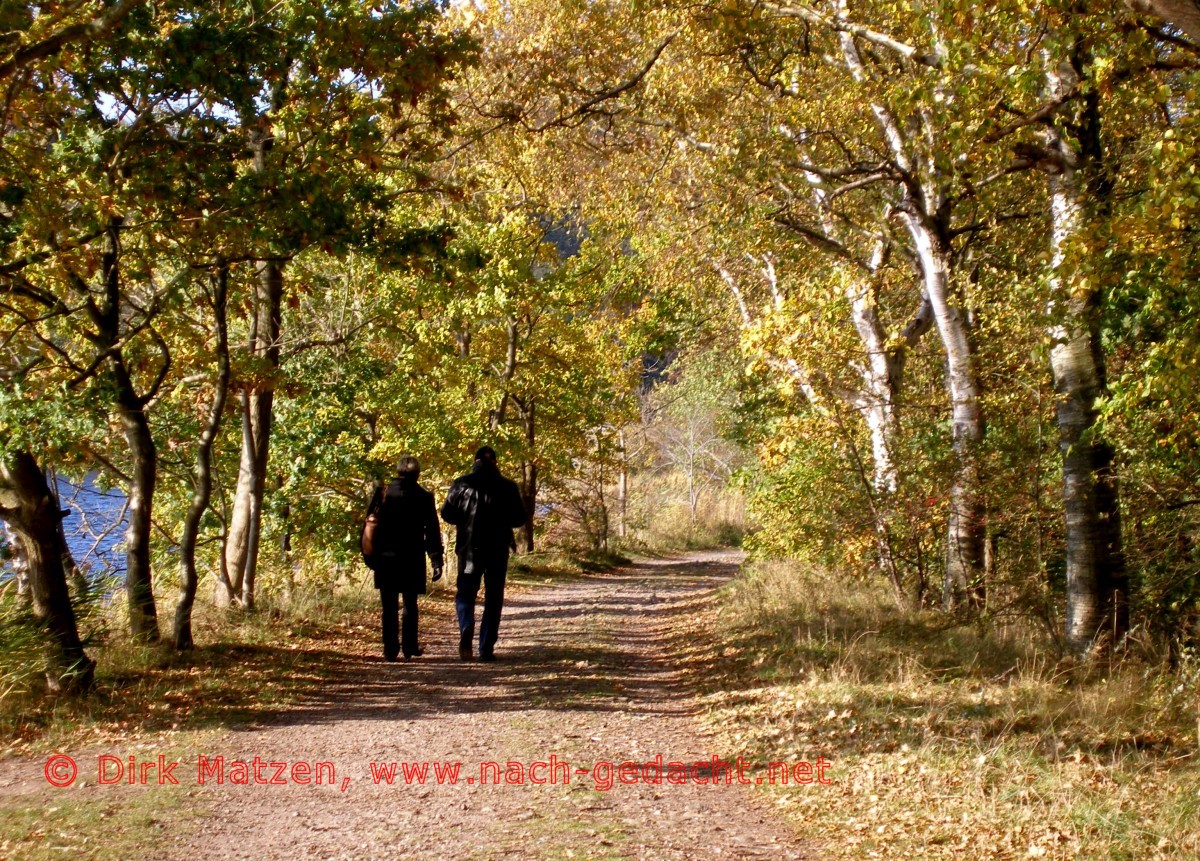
491 571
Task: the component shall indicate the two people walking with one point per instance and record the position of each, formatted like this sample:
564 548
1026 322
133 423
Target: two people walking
485 507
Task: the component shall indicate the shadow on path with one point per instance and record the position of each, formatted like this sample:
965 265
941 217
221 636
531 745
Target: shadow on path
596 643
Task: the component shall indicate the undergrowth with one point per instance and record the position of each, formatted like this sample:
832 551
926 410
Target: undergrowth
951 740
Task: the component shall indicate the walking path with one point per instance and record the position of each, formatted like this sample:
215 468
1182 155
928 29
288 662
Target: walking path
591 671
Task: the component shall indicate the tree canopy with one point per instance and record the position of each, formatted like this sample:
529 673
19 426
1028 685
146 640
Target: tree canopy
920 279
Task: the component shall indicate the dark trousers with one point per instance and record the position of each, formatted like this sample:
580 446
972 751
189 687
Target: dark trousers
491 572
398 635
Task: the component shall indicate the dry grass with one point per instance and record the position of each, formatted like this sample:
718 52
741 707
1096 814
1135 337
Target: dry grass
661 520
244 665
948 741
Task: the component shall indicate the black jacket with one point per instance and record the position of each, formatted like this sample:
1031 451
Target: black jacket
486 507
408 530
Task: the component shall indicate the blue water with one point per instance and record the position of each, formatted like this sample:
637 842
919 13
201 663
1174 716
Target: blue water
95 527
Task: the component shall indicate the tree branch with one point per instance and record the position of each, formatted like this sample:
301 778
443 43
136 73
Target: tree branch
82 32
1040 115
818 238
163 370
612 93
840 25
29 259
1184 14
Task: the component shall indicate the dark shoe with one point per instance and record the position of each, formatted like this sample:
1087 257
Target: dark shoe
464 648
414 654
487 657
390 658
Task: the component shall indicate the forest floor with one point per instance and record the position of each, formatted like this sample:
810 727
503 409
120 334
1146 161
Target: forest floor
943 739
600 668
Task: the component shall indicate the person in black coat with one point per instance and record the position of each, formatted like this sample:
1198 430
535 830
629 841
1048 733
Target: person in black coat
486 507
408 530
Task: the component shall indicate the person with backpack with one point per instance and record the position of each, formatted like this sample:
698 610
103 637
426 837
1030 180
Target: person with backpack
486 507
402 528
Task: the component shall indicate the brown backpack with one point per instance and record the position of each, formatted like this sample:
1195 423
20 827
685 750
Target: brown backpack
369 540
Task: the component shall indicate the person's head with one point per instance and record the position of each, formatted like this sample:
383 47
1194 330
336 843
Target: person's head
408 468
486 454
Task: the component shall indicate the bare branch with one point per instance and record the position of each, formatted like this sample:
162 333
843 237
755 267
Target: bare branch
163 370
1041 115
727 276
17 285
613 92
40 256
1171 38
840 25
818 238
859 183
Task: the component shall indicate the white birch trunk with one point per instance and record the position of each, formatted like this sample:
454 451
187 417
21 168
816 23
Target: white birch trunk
1097 585
880 407
243 539
965 527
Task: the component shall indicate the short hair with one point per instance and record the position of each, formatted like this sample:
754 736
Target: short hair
408 467
486 453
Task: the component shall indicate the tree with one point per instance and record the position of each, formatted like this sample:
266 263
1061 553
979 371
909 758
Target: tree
31 510
331 95
53 30
188 576
686 427
1097 586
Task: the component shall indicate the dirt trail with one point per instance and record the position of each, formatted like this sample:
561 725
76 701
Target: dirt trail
589 672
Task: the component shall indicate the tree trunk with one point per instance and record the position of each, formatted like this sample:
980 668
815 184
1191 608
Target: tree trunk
926 211
75 575
880 516
1097 587
243 537
692 493
188 576
605 525
623 489
880 374
966 526
16 559
229 587
529 477
879 405
143 472
1184 14
1097 583
242 541
31 510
